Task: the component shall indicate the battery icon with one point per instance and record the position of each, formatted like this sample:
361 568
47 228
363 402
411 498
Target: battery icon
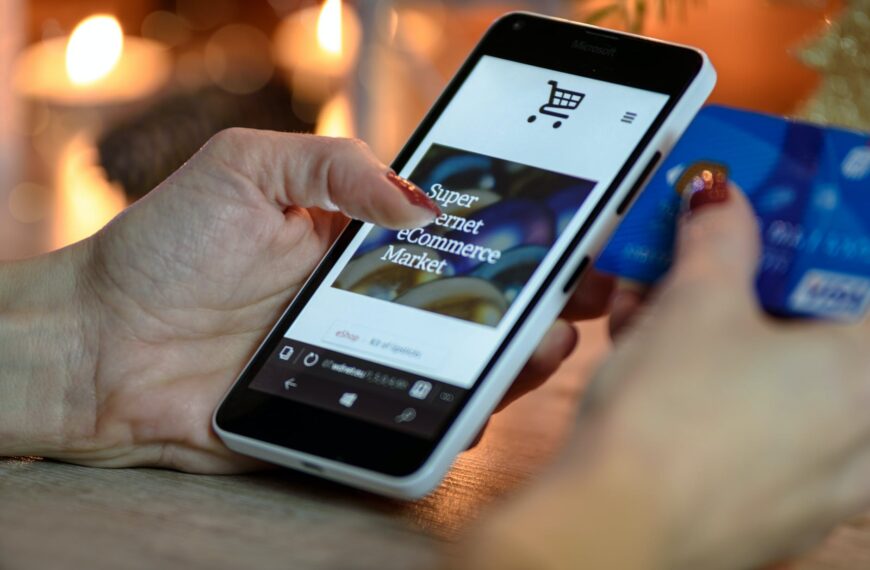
286 353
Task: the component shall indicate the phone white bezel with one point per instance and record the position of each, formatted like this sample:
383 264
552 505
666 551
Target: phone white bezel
517 350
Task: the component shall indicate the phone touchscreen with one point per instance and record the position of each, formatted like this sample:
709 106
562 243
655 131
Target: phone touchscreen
404 322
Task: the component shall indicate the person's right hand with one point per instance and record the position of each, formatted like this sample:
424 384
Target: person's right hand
722 438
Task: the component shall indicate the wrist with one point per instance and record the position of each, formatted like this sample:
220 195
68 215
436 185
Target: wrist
46 400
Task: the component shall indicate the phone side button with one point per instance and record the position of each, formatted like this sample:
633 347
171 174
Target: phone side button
569 284
641 181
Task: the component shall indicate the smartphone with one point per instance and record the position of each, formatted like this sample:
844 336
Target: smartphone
396 351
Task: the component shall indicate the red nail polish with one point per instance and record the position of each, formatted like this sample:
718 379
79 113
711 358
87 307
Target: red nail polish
704 184
413 193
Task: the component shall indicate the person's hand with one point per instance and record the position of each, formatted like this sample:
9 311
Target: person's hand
174 295
714 436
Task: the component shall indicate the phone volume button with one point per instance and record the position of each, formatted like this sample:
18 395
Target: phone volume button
641 181
581 267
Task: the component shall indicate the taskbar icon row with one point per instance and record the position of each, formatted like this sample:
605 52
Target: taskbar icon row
373 392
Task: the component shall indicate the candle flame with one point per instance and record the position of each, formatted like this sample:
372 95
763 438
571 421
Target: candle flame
336 118
94 49
329 29
85 199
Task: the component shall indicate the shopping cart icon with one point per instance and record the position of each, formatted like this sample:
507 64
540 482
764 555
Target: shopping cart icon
560 100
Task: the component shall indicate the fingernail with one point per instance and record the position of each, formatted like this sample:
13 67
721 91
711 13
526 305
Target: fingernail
413 193
708 185
329 205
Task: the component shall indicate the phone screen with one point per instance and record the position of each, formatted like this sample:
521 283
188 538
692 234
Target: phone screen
405 322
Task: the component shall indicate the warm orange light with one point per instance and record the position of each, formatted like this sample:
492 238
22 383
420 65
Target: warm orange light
329 29
420 31
94 49
85 199
394 24
336 118
318 44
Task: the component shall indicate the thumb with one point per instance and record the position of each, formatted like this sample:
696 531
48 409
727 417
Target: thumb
323 172
718 235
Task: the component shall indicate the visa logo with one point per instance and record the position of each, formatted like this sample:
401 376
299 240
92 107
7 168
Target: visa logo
830 294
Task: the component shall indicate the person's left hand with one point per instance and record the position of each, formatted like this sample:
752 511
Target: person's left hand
178 291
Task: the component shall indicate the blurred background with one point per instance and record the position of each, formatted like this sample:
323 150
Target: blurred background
102 99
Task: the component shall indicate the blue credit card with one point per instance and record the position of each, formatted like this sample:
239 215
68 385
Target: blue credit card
810 188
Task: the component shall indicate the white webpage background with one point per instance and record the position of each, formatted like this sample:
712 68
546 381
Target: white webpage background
489 116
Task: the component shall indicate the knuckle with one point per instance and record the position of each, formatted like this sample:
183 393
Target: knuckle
225 144
328 149
319 176
338 143
358 144
328 167
229 137
349 146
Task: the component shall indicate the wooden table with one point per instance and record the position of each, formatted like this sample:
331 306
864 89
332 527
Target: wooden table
63 516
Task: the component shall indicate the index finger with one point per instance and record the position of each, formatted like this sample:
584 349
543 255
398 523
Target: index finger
322 172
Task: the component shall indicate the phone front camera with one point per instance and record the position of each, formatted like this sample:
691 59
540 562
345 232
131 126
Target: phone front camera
519 25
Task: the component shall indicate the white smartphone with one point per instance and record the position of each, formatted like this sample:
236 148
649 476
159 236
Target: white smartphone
394 354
